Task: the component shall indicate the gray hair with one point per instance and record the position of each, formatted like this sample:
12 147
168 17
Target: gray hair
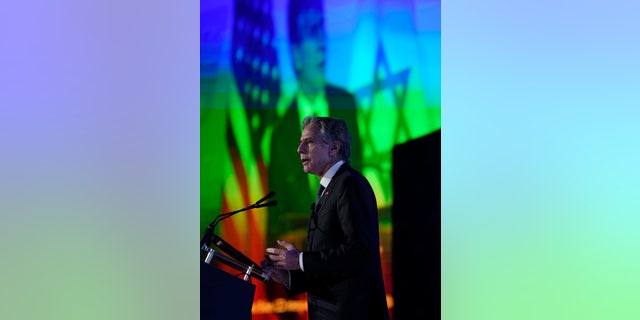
333 130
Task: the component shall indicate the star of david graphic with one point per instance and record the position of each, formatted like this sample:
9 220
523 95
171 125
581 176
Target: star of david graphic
395 83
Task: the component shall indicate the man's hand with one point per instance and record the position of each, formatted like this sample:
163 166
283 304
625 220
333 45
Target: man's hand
287 258
278 275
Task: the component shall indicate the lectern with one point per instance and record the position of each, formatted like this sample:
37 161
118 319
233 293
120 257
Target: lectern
223 296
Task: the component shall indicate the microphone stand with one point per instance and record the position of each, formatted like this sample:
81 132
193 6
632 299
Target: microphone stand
241 262
248 270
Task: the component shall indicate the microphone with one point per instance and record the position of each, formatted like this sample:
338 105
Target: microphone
268 196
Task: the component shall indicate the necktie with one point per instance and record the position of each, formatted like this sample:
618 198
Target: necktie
314 209
319 194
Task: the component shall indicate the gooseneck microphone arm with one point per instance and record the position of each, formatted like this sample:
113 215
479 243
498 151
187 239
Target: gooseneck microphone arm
253 206
206 239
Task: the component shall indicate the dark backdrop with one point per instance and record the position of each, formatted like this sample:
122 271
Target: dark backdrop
416 228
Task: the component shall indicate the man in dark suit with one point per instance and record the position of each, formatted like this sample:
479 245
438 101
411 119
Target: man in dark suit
315 96
340 270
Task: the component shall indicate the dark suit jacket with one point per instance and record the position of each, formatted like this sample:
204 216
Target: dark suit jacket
285 174
342 268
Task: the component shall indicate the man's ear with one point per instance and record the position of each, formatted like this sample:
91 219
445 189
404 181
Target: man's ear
334 148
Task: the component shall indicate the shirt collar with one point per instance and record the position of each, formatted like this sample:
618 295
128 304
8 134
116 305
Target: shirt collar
326 178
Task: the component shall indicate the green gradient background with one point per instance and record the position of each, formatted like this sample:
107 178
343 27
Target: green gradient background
99 152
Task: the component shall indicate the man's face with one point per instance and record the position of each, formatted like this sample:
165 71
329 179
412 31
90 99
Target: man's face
315 154
309 54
